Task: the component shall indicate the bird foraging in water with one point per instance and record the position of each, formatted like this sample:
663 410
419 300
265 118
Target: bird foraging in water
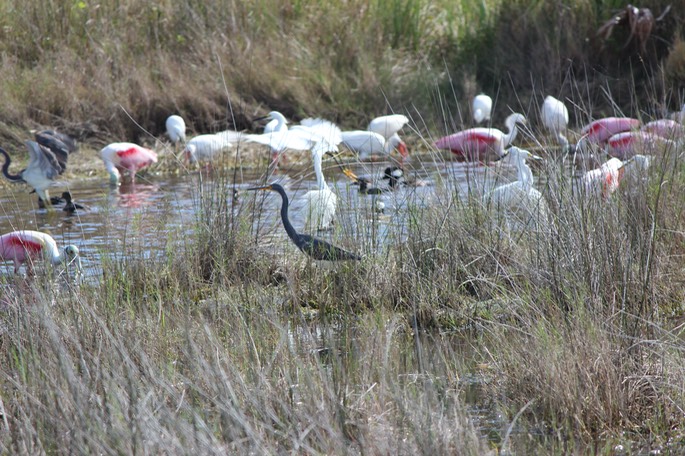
25 246
313 247
123 156
367 143
480 143
48 159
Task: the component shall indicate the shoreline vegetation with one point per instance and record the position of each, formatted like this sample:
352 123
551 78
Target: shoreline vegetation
570 333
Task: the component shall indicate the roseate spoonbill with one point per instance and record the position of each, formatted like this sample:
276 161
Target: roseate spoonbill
554 117
478 143
599 131
666 128
204 148
25 246
482 107
315 248
176 129
124 156
519 198
367 143
605 179
321 202
626 144
46 162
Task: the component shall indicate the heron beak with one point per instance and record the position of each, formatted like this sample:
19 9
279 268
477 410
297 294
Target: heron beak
348 172
267 187
535 157
258 119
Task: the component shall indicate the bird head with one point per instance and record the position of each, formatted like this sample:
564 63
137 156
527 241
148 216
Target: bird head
516 153
274 187
71 254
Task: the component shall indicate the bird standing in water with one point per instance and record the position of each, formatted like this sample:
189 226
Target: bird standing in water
125 156
48 159
315 248
25 246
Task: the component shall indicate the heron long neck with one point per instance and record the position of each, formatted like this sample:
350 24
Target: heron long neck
289 228
513 131
320 180
6 167
525 175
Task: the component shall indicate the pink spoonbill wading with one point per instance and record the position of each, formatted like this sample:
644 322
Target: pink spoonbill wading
124 156
481 143
25 246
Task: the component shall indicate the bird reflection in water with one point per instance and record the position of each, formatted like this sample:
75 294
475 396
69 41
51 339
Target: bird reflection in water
133 195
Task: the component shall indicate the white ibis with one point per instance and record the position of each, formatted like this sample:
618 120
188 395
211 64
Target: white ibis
315 248
25 246
480 143
554 116
176 129
367 143
481 108
126 157
204 148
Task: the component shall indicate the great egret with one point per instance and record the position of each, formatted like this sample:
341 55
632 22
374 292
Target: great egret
313 247
176 129
554 117
25 246
519 200
278 122
47 160
124 156
481 107
477 144
304 136
321 203
367 143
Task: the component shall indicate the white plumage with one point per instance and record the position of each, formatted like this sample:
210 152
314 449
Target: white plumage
555 118
176 129
367 143
389 125
204 148
321 203
482 108
521 204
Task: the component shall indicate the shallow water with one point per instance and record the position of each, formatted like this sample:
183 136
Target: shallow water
145 214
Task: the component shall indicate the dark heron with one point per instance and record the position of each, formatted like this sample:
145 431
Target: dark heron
315 248
48 159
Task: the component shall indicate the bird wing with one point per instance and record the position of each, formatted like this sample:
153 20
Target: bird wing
282 140
325 129
45 160
56 141
323 251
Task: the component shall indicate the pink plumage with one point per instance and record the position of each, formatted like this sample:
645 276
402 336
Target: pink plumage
480 144
666 128
627 144
119 157
599 131
606 178
25 246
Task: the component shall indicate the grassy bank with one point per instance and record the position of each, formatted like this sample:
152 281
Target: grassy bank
105 71
569 330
